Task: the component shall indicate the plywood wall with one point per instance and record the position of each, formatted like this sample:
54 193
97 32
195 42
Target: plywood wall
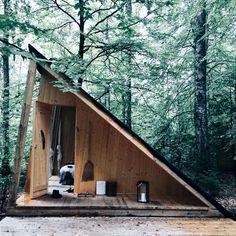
51 95
116 158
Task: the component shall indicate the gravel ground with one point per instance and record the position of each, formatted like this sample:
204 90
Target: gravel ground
115 226
55 226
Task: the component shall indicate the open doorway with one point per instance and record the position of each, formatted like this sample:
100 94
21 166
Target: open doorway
62 149
52 147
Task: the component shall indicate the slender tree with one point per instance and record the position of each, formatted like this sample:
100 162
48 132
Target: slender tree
200 106
5 94
5 166
127 95
82 37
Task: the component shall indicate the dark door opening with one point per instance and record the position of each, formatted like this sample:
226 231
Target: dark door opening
62 147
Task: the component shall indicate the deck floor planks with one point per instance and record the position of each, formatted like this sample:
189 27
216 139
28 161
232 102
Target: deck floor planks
122 202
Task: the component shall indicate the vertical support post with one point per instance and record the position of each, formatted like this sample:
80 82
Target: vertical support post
22 131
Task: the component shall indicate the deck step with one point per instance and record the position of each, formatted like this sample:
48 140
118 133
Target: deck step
107 211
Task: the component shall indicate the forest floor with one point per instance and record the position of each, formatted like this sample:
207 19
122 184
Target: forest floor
227 196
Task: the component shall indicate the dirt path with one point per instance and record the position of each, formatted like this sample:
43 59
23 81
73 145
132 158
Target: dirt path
122 226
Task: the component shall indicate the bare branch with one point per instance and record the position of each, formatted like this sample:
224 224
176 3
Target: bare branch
101 9
11 44
67 3
60 26
102 20
123 27
68 14
103 94
61 45
100 54
216 65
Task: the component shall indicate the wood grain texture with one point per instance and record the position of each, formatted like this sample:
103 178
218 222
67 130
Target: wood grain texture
40 150
116 158
48 93
28 173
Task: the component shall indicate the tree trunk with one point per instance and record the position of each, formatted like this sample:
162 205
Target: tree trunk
200 108
5 110
5 102
108 90
81 41
127 96
127 106
233 118
108 98
5 165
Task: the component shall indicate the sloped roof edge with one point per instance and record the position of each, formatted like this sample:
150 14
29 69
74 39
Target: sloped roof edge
154 152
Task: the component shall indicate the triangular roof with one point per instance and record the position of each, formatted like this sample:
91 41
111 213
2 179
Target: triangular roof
134 138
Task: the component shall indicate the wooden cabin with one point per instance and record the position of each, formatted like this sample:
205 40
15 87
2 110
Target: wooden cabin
91 133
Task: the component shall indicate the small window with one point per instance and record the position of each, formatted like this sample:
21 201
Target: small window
42 139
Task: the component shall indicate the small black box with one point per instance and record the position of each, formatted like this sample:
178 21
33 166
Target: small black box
111 188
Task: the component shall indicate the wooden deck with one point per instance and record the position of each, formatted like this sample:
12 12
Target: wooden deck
122 205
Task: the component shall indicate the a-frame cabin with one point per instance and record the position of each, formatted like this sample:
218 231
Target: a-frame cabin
91 133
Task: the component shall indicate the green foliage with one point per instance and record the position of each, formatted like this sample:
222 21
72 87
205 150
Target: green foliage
210 182
5 170
5 174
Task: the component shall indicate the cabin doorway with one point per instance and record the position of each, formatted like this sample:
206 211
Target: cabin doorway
53 145
62 138
62 149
